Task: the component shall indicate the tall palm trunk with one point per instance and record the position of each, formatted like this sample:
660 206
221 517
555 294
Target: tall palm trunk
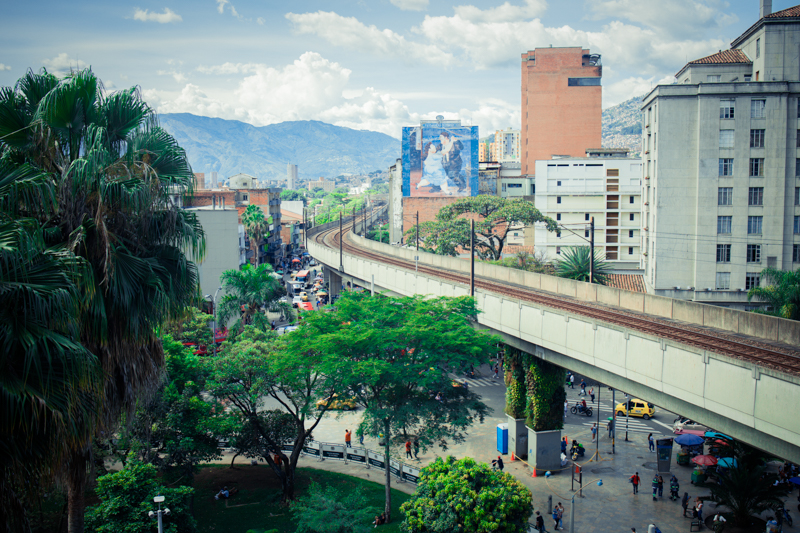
76 479
388 507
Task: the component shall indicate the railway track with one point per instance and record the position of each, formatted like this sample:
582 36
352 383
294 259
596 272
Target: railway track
784 359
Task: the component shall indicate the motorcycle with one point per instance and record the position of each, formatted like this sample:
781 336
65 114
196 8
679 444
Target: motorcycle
578 408
786 516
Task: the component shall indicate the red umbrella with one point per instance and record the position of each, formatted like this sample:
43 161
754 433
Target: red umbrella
705 460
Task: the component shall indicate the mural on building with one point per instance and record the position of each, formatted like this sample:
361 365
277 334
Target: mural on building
440 159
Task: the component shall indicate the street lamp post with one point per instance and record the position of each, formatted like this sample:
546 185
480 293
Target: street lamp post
214 328
572 502
159 513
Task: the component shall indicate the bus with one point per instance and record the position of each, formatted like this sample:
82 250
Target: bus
302 277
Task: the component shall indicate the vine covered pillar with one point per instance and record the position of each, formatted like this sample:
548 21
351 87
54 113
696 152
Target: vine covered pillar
544 412
516 402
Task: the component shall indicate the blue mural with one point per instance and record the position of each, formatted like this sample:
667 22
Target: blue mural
440 159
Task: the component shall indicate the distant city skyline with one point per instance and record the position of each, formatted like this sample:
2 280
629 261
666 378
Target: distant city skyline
375 65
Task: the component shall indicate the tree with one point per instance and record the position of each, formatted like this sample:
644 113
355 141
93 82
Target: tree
245 291
260 364
380 234
289 195
493 217
527 261
575 264
256 226
327 510
396 354
464 496
781 293
113 170
127 496
194 327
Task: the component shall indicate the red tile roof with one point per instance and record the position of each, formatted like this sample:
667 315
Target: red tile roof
723 56
790 12
627 282
294 217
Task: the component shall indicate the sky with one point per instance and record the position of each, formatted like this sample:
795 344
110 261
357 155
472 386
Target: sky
364 64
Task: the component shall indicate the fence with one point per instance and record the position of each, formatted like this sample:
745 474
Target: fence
326 451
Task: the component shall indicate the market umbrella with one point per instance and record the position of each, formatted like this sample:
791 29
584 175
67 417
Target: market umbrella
688 440
704 460
295 260
795 480
715 435
322 293
727 462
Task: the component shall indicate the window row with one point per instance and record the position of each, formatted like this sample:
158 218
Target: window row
758 107
755 196
754 225
726 138
756 167
724 280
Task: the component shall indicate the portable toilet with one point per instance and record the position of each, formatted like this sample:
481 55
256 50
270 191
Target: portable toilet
502 438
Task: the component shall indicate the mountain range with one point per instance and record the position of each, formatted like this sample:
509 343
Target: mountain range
319 149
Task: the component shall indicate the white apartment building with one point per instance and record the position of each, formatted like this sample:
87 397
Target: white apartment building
721 152
605 185
505 148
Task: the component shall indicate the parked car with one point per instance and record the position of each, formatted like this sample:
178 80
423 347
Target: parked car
335 402
688 425
296 300
636 407
285 329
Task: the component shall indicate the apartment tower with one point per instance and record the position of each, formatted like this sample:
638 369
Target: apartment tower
561 104
291 176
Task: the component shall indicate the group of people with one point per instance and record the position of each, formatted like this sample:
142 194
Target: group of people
380 520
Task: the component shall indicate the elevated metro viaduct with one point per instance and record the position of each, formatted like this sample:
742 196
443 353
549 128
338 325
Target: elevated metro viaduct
737 387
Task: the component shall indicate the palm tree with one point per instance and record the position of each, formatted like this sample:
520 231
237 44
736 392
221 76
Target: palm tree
782 293
113 170
246 290
255 225
574 264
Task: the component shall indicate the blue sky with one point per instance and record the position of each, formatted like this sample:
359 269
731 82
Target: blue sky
368 64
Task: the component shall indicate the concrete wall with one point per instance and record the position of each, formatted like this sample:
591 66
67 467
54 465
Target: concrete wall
735 397
222 246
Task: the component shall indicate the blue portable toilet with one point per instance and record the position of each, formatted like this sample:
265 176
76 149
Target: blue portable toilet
502 438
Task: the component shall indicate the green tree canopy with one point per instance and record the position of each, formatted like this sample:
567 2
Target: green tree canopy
575 263
464 496
493 217
245 291
256 226
292 195
396 354
781 292
328 510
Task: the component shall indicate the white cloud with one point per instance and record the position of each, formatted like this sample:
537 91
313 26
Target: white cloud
4 67
228 68
62 63
221 9
162 18
682 18
503 13
178 76
260 21
411 5
221 6
626 89
351 33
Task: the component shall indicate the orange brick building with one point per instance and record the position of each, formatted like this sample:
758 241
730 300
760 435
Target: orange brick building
561 104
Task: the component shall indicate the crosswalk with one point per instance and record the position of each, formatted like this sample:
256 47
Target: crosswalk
478 382
634 424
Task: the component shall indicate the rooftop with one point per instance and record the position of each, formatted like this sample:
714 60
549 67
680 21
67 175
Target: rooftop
723 57
627 282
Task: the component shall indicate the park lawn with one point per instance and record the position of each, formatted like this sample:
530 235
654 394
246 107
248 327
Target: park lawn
257 504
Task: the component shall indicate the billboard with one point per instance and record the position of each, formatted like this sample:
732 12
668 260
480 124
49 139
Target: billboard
440 159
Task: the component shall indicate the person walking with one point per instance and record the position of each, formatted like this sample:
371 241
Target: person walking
651 442
566 406
560 516
594 431
540 522
674 487
685 503
496 370
572 381
583 388
563 444
348 436
699 508
660 487
360 437
655 488
498 463
610 427
591 394
409 455
416 449
635 482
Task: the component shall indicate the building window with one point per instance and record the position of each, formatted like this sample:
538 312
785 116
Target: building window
758 48
756 138
514 185
558 250
725 196
796 225
797 144
586 233
503 187
754 225
558 216
748 77
712 78
755 196
751 280
631 216
586 216
726 138
558 199
757 108
558 184
797 168
630 250
612 172
726 167
796 253
631 200
723 253
753 253
724 224
756 167
798 108
630 233
723 280
726 108
558 234
797 196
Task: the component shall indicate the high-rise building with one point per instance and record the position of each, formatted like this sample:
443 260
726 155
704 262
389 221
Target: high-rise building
721 150
199 180
213 176
506 146
561 104
291 176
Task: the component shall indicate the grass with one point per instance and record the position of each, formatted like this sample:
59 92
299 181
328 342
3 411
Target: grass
257 504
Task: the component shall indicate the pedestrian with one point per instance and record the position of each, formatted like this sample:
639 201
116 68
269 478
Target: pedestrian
583 388
572 381
674 487
699 508
416 448
498 463
273 325
610 427
594 431
591 393
540 522
719 523
566 406
563 444
635 482
348 436
360 436
651 442
496 370
409 455
660 487
560 516
655 487
685 503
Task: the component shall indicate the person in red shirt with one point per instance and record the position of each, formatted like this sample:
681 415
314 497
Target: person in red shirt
635 482
409 455
348 436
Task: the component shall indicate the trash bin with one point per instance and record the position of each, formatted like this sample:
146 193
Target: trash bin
502 438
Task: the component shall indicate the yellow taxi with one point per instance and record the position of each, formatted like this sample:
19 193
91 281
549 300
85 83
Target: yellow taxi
636 407
334 402
304 296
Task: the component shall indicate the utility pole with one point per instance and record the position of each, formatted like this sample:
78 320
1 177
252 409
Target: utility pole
354 220
417 226
591 258
472 258
305 227
341 263
614 419
597 439
626 416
